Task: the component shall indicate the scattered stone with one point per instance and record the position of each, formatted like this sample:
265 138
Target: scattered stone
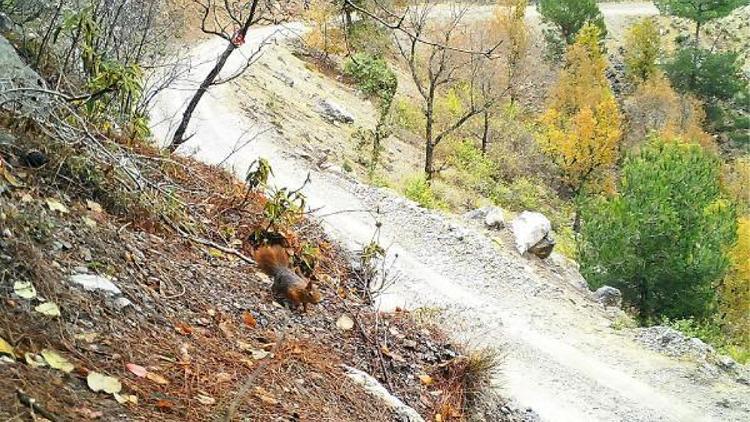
495 218
544 248
608 296
35 158
6 24
529 228
333 112
93 282
122 303
284 78
80 269
672 342
372 386
86 254
410 344
477 214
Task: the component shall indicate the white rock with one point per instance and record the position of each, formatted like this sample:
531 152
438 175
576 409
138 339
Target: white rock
529 228
372 386
92 282
495 218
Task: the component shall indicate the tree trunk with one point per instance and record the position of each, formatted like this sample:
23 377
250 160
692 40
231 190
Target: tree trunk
429 167
697 34
486 132
179 134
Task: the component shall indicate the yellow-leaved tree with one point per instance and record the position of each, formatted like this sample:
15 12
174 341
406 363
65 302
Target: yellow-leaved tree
735 291
581 128
642 49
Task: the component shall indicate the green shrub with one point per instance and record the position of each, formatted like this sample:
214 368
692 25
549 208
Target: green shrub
373 75
710 76
369 37
418 190
711 333
475 171
661 241
408 115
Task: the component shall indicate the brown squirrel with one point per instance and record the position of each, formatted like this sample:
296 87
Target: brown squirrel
287 285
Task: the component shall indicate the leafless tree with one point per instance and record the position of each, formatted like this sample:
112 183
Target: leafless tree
231 22
440 65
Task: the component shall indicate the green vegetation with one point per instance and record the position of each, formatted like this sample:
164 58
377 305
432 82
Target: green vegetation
373 75
661 240
699 11
418 190
642 49
566 18
710 76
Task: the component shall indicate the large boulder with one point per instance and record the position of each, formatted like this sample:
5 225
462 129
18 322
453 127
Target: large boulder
18 76
529 229
608 296
334 112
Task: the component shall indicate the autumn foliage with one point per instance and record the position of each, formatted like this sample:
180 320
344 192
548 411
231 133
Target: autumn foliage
735 291
656 109
581 129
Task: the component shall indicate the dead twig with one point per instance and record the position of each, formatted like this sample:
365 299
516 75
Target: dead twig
35 407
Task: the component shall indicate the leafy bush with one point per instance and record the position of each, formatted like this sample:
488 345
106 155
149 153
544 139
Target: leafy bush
408 115
373 75
419 190
662 240
370 37
710 332
655 108
475 171
642 47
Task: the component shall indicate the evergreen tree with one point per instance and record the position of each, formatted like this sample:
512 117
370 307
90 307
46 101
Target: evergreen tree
662 240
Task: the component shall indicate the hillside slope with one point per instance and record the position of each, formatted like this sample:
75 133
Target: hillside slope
566 359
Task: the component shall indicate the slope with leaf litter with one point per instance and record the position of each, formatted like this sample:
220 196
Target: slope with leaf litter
193 325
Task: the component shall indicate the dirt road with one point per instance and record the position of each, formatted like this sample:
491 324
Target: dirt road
564 361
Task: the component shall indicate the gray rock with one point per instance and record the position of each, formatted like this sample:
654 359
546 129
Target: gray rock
6 24
608 296
672 342
477 214
122 303
334 112
17 75
495 218
544 248
93 282
80 269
